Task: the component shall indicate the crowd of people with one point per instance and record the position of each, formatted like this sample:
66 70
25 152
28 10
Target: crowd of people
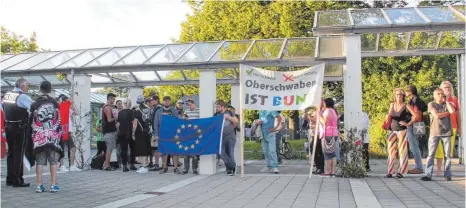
33 128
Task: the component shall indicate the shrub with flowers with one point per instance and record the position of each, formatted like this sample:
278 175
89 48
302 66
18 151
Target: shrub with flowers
351 163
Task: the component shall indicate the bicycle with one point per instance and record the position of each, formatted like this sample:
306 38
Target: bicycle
285 147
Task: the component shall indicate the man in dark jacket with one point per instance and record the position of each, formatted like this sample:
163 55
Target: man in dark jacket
46 133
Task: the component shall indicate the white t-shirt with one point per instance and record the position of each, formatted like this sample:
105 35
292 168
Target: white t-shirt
365 125
70 124
282 123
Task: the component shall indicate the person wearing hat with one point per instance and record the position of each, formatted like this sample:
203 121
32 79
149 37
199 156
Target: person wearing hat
16 104
179 107
154 165
46 133
166 109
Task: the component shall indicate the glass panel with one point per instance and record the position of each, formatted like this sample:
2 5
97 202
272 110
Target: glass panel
330 47
5 56
146 76
333 18
57 60
368 17
404 16
14 60
368 42
333 70
200 52
10 80
4 83
99 79
53 79
232 50
225 74
393 41
300 48
122 76
192 74
111 57
32 61
83 58
34 80
441 14
140 55
169 54
265 49
460 8
423 40
170 75
452 39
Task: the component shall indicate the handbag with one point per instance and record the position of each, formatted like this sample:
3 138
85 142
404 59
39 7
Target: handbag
154 142
387 123
329 145
419 128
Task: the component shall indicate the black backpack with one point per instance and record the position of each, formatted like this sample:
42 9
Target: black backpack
146 123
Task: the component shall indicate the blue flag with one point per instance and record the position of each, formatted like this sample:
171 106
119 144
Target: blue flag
190 137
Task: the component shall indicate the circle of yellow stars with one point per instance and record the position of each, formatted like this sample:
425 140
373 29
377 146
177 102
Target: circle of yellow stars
184 127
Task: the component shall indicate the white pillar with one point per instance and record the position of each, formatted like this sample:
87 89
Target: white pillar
235 103
82 101
207 96
352 82
134 93
462 99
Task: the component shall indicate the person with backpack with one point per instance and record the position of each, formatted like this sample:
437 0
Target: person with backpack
141 132
167 109
413 139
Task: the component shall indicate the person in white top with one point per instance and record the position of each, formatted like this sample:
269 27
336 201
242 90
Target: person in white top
70 141
365 126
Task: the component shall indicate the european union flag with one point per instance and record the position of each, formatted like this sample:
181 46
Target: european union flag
190 137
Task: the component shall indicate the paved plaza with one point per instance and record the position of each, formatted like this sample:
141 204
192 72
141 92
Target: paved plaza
291 188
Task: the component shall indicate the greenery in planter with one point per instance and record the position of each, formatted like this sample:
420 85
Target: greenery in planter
351 163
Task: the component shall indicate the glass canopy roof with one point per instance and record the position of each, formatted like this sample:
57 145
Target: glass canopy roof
177 64
389 20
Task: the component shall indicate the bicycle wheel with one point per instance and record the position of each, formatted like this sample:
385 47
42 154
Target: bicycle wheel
288 153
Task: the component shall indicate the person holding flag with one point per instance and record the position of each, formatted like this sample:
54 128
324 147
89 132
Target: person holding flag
228 137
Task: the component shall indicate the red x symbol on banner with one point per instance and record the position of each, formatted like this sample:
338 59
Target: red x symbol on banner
288 78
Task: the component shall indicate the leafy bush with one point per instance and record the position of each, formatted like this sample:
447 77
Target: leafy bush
351 163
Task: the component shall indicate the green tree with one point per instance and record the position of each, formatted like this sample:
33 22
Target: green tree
13 43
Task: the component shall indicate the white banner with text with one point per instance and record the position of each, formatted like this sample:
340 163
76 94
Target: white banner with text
278 90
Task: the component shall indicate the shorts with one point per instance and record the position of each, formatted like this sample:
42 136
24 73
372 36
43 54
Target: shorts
69 143
110 140
47 155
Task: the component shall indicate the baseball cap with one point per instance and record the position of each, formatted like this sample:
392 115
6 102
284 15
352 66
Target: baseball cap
167 98
155 97
140 99
180 102
190 101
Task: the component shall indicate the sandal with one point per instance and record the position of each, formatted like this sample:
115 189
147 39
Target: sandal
398 175
110 169
388 176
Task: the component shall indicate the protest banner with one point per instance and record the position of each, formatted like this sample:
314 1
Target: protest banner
278 90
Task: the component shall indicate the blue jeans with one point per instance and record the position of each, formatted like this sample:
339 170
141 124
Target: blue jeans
413 141
337 150
269 149
433 144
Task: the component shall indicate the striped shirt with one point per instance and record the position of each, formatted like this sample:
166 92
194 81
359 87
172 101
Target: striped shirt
192 114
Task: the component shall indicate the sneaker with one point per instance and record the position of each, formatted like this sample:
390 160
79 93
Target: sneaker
176 171
75 169
54 188
276 171
150 166
415 171
448 178
133 167
184 172
40 189
425 178
266 169
142 170
64 169
164 170
125 169
195 172
232 172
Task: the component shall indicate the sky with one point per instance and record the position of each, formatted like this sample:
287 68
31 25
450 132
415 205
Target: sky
78 24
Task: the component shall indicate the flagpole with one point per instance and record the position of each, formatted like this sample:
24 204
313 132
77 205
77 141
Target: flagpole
241 120
315 142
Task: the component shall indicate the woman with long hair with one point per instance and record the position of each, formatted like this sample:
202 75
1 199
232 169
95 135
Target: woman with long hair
329 119
402 116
